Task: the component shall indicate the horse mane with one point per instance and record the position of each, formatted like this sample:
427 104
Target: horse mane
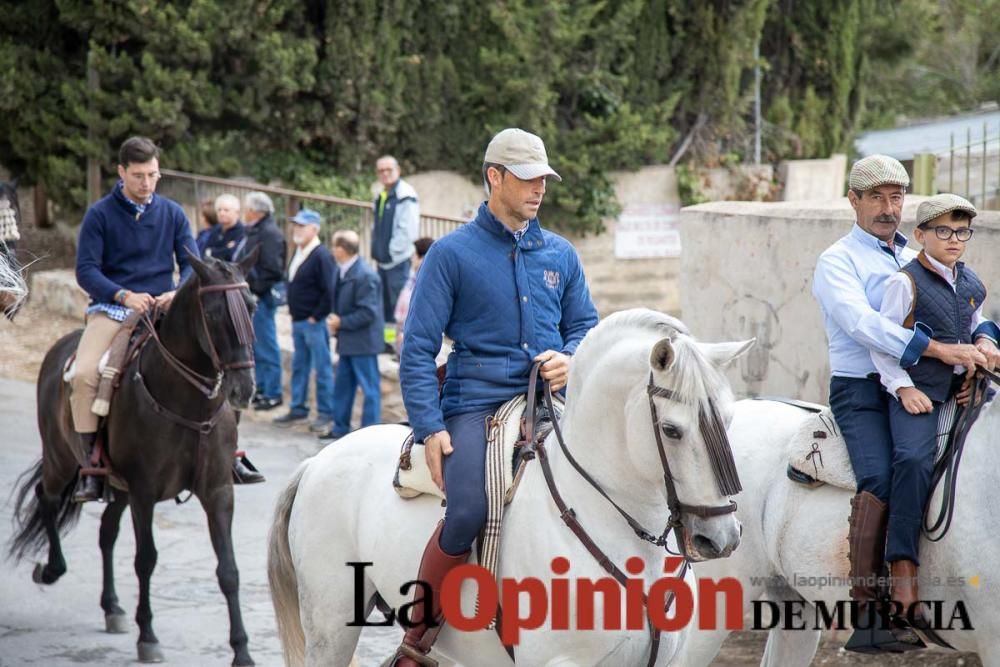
694 378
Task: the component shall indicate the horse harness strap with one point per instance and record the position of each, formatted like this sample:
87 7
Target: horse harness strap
535 447
203 428
240 319
947 468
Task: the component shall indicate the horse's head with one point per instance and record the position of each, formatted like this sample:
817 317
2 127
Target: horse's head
221 308
677 403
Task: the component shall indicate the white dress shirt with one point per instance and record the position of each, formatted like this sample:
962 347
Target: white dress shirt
300 256
848 283
896 304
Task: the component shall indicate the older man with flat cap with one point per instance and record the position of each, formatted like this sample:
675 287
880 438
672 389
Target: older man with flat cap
849 283
508 293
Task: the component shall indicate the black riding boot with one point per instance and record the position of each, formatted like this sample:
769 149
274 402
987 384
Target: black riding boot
89 486
245 472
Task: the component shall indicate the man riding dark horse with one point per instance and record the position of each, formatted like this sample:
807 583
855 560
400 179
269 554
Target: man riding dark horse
129 241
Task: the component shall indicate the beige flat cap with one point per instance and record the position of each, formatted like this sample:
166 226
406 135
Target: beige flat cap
876 170
940 204
522 153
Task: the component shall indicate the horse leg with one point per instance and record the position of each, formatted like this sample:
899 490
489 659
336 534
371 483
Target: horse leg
114 616
219 510
790 647
48 512
145 561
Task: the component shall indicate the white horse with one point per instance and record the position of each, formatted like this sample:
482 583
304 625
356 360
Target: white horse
340 508
795 539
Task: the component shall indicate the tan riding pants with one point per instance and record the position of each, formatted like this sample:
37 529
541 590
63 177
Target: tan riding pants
97 337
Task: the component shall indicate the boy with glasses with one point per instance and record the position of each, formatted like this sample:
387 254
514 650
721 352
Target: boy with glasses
938 294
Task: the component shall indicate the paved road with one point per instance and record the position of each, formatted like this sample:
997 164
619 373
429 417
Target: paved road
62 625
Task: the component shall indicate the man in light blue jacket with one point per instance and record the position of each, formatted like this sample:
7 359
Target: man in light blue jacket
508 293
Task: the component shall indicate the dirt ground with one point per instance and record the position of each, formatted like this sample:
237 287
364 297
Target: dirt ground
24 342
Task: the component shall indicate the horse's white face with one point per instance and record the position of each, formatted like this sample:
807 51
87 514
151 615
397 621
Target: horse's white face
692 372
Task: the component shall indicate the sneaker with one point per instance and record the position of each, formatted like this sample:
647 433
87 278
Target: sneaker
261 403
290 418
330 436
321 425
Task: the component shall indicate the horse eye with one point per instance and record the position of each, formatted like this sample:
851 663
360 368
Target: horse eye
671 431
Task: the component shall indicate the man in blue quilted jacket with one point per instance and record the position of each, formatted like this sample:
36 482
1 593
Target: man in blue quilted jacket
508 293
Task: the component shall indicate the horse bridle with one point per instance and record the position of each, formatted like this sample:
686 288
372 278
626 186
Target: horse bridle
240 318
713 433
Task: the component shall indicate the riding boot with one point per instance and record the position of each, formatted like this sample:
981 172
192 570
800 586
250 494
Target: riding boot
245 472
419 638
905 592
89 487
866 541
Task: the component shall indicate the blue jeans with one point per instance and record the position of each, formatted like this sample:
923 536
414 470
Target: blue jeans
393 281
266 353
312 353
354 371
465 481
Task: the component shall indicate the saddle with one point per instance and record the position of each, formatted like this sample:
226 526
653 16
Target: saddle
817 453
124 348
506 432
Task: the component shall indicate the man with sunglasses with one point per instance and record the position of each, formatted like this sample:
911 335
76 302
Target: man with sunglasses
849 284
939 294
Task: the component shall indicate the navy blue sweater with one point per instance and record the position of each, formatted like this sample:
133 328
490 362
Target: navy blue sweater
120 248
310 293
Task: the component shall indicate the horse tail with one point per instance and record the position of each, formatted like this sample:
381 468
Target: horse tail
281 576
31 536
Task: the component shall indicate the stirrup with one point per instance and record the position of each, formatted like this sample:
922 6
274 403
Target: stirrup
874 639
407 651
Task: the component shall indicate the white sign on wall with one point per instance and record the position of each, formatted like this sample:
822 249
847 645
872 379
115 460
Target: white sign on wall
648 230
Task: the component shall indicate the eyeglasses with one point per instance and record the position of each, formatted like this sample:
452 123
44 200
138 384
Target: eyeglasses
944 233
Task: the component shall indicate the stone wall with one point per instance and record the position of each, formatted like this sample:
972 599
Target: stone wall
747 272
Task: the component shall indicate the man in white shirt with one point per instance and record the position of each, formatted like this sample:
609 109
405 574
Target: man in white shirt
849 283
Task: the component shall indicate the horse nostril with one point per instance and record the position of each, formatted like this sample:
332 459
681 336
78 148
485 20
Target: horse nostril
706 547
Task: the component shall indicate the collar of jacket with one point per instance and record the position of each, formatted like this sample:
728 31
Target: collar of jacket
899 241
532 238
119 195
925 262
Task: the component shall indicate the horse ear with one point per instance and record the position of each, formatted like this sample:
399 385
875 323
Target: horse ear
723 354
662 355
247 262
199 267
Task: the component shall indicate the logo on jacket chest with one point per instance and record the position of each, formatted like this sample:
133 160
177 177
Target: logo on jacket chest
552 279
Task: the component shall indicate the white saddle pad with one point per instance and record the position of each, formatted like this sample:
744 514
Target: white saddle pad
818 448
413 477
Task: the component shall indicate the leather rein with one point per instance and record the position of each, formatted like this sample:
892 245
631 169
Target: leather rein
535 447
207 385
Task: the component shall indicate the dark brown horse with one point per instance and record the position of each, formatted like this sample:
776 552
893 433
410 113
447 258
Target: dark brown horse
172 427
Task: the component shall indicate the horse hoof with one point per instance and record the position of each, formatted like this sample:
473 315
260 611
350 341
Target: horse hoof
150 652
116 624
243 661
36 575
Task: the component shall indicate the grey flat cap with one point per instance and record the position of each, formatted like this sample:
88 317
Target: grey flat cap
940 204
876 170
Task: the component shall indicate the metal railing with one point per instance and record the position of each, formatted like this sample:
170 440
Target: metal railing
190 190
970 169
